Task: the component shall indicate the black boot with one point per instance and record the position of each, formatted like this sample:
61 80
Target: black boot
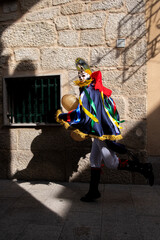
93 192
134 166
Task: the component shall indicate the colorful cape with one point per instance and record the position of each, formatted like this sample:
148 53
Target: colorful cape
96 115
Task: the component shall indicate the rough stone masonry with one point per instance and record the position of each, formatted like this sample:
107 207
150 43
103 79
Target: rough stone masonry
45 37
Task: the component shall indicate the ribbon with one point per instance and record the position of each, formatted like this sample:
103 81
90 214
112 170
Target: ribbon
87 112
113 110
94 108
106 109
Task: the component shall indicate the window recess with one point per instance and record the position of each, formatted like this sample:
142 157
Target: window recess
31 100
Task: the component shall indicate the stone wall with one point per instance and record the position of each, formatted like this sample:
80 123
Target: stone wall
45 37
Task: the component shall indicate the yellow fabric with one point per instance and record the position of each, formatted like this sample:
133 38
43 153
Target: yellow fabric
61 121
102 138
84 135
111 118
88 113
88 71
83 84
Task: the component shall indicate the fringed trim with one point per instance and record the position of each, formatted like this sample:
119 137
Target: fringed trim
81 134
61 121
108 137
83 84
102 138
84 135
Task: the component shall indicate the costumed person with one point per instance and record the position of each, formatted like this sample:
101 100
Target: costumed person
96 116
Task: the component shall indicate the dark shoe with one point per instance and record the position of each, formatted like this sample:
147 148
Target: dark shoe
134 166
93 192
90 197
147 172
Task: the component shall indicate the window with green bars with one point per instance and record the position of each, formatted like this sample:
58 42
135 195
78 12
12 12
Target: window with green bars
32 99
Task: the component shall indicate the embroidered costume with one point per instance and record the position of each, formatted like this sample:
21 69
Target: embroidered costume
96 116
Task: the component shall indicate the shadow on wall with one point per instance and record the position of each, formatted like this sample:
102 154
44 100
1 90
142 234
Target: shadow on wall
49 152
134 58
55 157
22 221
132 29
51 149
55 154
6 133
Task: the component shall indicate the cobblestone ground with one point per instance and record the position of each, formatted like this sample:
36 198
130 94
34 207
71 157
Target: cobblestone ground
47 210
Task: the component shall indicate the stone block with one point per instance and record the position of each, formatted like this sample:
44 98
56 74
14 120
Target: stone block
116 177
136 6
48 139
6 56
73 75
104 57
26 137
45 139
46 165
72 8
135 53
88 20
34 4
25 65
137 107
19 160
91 37
121 106
29 34
10 7
113 26
122 25
63 58
134 81
45 14
4 164
112 79
68 38
31 54
62 23
106 4
41 155
8 17
8 139
78 165
134 134
57 2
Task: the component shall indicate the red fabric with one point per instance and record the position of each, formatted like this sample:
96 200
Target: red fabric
114 107
68 116
123 164
97 76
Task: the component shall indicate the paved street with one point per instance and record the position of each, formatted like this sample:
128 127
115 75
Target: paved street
48 210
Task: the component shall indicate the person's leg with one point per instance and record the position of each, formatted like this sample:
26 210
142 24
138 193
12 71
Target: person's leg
95 161
99 151
109 157
112 161
135 166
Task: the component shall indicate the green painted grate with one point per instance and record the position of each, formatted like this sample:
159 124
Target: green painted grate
33 99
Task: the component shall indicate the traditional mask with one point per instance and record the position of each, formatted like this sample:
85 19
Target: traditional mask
84 72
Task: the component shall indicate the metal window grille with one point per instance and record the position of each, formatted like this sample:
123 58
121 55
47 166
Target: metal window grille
32 99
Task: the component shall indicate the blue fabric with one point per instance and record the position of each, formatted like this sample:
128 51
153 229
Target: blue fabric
81 121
